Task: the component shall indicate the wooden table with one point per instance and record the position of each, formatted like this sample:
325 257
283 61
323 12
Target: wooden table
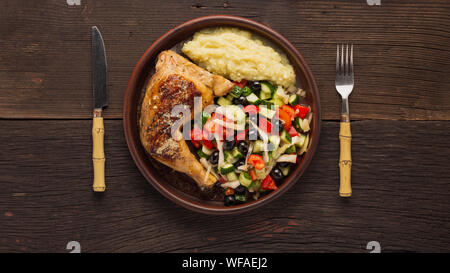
400 111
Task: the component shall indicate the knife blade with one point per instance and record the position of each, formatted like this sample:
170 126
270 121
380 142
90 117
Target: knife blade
99 71
100 92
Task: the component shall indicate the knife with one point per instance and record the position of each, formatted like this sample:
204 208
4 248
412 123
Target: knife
100 91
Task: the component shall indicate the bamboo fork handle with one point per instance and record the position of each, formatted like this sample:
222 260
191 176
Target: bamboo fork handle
98 154
345 160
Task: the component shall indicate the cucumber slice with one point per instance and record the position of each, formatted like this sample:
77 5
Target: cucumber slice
291 150
205 117
260 174
240 197
269 103
258 146
275 140
236 153
267 88
305 146
223 101
285 137
301 141
245 179
246 91
253 99
302 125
298 124
232 176
293 99
267 112
265 96
270 157
202 154
255 185
278 101
226 168
229 157
285 170
236 91
305 125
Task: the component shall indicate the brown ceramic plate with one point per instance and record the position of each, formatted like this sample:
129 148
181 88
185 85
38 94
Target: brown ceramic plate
178 187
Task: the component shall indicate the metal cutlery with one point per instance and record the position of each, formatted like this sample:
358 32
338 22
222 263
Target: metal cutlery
344 86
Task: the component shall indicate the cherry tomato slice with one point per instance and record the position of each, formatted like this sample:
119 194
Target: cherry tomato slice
265 125
286 118
301 111
257 161
222 180
290 110
251 109
268 184
252 173
229 191
241 84
292 132
196 144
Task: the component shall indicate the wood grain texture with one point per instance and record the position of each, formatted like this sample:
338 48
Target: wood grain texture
402 59
401 197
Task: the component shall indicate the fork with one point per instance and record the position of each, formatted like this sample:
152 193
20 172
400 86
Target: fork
344 86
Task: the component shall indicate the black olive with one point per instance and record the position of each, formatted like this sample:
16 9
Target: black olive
243 147
243 101
229 200
214 158
240 190
276 123
218 185
255 86
277 174
284 164
240 162
228 145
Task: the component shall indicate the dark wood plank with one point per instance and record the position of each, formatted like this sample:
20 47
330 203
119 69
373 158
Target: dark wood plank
401 183
401 54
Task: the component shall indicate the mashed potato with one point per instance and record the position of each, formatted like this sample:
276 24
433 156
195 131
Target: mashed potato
237 54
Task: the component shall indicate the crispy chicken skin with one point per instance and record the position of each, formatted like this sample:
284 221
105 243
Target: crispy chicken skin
176 82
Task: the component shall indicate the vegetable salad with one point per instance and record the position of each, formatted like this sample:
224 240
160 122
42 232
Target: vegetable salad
253 139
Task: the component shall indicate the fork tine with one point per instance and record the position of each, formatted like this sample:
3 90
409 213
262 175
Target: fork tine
337 59
342 60
347 63
351 60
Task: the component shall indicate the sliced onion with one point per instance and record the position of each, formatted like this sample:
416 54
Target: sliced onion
309 117
250 150
220 148
288 158
281 93
231 184
207 165
208 171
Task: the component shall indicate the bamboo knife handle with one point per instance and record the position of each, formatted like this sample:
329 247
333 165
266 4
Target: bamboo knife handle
98 154
345 160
